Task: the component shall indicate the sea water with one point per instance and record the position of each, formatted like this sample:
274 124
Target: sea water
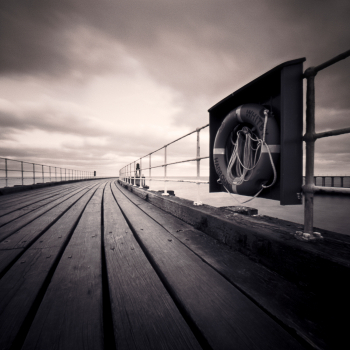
331 212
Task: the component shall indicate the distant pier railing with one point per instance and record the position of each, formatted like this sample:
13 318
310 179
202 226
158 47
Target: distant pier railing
16 173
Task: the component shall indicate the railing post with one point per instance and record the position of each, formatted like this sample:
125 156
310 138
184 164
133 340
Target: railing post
141 173
42 172
309 138
33 173
22 172
165 173
134 184
342 181
6 172
332 181
323 181
65 174
149 171
198 201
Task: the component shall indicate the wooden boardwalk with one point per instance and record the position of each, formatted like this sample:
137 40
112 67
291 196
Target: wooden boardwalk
89 265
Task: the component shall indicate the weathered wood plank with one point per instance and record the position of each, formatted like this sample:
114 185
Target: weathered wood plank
70 315
15 225
23 238
223 315
144 315
20 210
11 197
21 285
9 207
19 196
295 306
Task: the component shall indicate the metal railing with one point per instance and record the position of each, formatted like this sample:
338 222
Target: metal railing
18 173
310 137
309 188
129 172
331 181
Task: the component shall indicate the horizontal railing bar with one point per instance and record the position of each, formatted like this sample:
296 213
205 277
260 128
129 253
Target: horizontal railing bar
182 161
192 132
332 133
52 166
313 70
332 190
172 180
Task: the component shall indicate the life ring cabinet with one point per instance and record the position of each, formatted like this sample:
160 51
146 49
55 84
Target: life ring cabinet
261 122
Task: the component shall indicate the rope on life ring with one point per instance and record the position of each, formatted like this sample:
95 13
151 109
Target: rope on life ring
246 150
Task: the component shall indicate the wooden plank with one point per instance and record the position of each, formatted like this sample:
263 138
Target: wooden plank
144 315
15 225
224 316
12 206
14 245
70 314
295 306
10 197
19 210
20 287
19 196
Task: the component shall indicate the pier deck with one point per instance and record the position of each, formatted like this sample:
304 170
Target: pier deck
89 265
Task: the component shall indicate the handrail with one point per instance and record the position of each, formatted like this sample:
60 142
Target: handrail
311 136
59 174
126 172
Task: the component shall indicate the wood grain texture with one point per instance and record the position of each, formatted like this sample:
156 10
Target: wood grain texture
24 237
70 315
20 210
32 201
15 225
21 285
269 242
144 315
224 316
295 307
12 198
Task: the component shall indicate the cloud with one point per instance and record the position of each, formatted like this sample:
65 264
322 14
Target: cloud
184 55
49 116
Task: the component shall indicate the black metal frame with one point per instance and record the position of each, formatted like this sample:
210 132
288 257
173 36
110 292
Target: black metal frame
282 89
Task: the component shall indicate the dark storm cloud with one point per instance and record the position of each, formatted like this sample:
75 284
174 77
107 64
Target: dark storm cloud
203 49
195 46
50 38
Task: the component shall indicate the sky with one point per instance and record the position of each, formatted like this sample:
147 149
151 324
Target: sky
94 85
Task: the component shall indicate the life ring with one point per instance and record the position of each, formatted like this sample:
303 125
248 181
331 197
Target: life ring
257 118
